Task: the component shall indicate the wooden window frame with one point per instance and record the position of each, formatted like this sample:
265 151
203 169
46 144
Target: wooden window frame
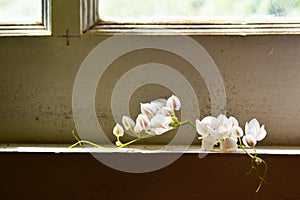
91 25
42 29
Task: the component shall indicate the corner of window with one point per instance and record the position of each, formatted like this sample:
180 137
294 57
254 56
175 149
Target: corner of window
92 24
42 28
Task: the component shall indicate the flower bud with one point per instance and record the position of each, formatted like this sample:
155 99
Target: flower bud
118 130
174 103
127 122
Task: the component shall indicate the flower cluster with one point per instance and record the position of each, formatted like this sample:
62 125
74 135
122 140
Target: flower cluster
156 118
159 117
227 132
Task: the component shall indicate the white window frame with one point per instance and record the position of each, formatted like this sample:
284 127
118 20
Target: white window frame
91 25
42 29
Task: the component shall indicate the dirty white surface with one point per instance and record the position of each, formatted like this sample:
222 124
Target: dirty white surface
152 149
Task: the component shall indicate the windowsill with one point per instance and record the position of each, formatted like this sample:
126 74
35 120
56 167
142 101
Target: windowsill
153 149
194 29
24 32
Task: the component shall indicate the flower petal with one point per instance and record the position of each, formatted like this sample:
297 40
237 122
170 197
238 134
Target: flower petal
208 143
142 122
159 102
148 109
173 102
118 130
160 124
237 131
167 111
160 121
225 124
261 134
246 128
234 121
221 117
229 144
201 128
137 129
222 129
254 124
127 122
211 121
159 131
249 141
251 129
214 132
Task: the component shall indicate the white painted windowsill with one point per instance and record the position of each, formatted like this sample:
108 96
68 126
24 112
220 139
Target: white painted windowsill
62 148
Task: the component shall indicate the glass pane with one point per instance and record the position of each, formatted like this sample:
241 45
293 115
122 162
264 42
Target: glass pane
235 11
20 11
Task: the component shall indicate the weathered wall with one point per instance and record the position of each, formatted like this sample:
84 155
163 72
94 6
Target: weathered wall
260 73
261 76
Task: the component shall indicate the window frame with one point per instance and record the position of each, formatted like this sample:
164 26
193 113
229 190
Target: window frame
91 25
42 29
56 45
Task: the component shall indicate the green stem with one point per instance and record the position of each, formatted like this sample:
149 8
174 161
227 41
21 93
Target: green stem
152 135
90 143
75 136
244 149
253 167
262 178
187 122
135 140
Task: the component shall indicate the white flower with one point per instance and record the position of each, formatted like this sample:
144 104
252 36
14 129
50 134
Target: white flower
228 144
142 123
249 140
128 123
173 102
167 111
161 124
234 121
253 133
208 126
224 125
159 103
236 132
148 109
233 131
221 129
118 130
208 143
